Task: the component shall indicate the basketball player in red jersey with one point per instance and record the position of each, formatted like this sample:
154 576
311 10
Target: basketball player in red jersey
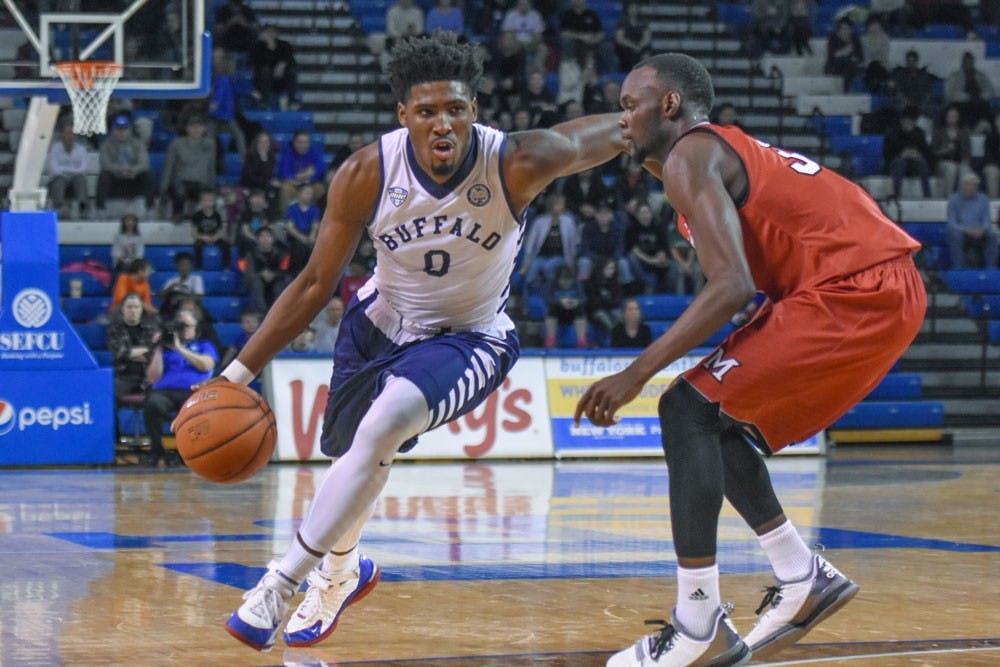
844 302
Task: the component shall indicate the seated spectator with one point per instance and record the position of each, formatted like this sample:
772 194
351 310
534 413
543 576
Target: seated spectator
357 275
404 18
135 279
768 27
549 243
602 236
951 12
647 244
355 142
258 171
235 27
300 163
688 277
800 25
132 334
327 325
305 341
302 226
906 153
913 85
127 244
67 170
266 270
189 167
194 305
580 28
184 285
970 225
223 106
970 90
208 228
631 332
564 305
125 171
275 73
991 158
508 66
895 15
725 114
255 217
951 149
249 321
181 360
633 38
445 15
875 52
584 191
540 101
843 53
604 296
526 24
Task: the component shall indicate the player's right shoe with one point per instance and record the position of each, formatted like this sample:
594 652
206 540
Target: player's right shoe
328 595
797 607
258 619
674 646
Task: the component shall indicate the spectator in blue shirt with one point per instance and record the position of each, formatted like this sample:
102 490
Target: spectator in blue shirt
603 237
969 223
302 225
300 163
444 15
181 360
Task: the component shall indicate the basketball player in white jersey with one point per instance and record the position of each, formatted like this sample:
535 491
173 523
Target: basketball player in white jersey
426 339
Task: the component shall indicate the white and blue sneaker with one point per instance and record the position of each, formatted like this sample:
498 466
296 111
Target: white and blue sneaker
328 595
258 619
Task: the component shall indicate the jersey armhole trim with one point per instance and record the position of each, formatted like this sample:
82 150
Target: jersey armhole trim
381 185
503 181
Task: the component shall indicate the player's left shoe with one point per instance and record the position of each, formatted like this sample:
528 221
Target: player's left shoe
797 607
326 599
257 620
675 646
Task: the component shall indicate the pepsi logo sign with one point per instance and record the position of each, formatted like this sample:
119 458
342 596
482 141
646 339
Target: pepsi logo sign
7 414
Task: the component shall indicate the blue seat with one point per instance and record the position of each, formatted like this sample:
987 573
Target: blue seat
977 304
664 306
228 331
156 160
536 307
941 31
928 233
223 307
995 332
282 121
211 258
162 256
222 282
86 308
832 125
857 144
102 357
734 15
897 386
90 285
973 281
893 414
68 254
659 327
95 336
233 164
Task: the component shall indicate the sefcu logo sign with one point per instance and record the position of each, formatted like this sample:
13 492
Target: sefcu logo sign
32 309
51 417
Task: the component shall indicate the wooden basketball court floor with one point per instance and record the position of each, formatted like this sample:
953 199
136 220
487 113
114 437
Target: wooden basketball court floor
494 564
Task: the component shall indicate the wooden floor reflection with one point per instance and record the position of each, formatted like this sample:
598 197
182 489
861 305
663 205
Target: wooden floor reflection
493 565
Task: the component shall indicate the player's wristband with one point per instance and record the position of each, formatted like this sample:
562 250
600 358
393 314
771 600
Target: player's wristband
237 372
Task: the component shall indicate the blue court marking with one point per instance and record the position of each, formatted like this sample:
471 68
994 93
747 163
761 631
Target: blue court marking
99 540
835 538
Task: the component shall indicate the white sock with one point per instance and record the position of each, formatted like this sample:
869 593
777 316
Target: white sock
343 557
697 599
789 555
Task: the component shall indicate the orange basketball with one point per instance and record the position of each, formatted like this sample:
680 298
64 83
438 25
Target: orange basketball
225 432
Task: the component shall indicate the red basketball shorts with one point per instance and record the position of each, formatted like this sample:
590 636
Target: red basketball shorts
807 359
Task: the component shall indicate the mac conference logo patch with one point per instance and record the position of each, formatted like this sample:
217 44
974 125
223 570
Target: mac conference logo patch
479 195
7 413
32 308
398 195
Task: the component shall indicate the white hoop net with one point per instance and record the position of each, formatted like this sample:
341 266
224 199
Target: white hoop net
89 84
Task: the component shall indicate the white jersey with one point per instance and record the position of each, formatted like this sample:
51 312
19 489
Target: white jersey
445 252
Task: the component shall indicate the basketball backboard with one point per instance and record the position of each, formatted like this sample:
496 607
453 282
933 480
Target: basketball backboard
161 44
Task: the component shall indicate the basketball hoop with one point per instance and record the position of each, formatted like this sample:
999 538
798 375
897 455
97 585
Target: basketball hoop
89 84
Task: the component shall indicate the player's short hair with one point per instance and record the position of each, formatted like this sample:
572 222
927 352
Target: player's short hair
438 57
686 75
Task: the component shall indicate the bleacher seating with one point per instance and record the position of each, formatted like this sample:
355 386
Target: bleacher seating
282 121
893 414
85 309
90 286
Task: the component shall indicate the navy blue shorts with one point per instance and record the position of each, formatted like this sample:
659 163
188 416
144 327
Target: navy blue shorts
454 371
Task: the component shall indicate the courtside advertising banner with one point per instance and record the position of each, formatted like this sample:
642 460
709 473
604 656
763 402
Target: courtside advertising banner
512 423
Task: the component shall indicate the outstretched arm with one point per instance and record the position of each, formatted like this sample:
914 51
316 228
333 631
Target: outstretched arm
535 158
351 199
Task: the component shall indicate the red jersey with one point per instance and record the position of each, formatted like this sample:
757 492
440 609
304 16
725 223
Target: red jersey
803 224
